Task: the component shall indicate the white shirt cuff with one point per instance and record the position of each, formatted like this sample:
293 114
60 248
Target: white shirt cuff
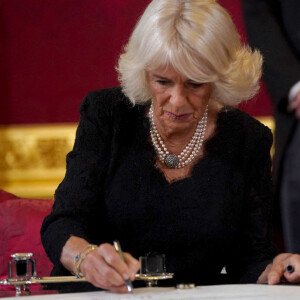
294 91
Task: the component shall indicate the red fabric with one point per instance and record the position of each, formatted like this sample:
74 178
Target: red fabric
20 223
54 52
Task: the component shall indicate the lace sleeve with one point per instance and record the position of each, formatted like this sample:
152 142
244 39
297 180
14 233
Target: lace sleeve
78 199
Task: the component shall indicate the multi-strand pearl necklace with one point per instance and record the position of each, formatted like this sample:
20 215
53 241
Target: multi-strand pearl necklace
188 153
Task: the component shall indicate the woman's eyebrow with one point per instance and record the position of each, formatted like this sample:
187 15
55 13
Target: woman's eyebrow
160 77
192 81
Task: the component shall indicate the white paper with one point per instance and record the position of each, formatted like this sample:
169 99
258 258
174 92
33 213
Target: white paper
216 292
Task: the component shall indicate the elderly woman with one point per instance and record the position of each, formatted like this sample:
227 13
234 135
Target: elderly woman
166 164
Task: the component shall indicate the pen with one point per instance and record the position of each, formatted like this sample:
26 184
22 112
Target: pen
290 269
118 248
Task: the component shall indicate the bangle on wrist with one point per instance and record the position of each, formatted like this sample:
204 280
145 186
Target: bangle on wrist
78 259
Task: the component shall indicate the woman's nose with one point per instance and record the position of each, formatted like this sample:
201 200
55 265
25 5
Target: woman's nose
178 96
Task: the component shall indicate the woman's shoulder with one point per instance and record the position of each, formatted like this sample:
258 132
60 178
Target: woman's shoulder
112 92
111 106
108 97
108 103
238 135
240 122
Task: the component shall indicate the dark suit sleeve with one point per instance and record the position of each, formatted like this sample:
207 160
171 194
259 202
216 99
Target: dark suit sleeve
267 32
78 203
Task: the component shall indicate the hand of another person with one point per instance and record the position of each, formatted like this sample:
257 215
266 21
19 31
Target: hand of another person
295 106
105 269
276 271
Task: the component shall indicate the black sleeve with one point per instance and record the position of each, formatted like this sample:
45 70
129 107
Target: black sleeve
256 249
266 32
78 207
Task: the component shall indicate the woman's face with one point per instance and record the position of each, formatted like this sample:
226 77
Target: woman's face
179 102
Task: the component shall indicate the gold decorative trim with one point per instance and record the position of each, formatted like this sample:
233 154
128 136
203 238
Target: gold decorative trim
33 157
269 122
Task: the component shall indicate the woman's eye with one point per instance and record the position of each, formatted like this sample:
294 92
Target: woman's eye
195 84
162 82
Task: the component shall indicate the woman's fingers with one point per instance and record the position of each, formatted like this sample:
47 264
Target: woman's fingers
278 269
263 278
133 265
114 260
127 269
275 274
117 289
99 273
104 268
294 262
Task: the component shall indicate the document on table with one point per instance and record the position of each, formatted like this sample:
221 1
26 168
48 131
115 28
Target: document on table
216 292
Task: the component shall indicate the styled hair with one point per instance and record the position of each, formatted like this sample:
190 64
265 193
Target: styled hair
199 40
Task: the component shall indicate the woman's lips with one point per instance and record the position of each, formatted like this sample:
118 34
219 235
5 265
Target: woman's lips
177 117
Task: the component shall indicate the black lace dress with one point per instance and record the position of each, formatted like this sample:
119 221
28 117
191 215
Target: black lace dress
219 216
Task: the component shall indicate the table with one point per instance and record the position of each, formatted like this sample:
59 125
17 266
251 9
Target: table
216 292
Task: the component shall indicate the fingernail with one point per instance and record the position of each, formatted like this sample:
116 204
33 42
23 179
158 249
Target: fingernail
125 276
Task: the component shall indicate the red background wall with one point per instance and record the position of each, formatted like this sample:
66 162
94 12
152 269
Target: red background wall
54 51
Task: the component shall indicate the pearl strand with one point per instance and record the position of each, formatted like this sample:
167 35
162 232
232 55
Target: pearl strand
189 152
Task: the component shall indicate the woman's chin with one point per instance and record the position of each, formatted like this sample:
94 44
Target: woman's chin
179 125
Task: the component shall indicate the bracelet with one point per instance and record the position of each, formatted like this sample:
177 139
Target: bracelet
81 256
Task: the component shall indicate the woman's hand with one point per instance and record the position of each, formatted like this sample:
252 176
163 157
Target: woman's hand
276 271
104 268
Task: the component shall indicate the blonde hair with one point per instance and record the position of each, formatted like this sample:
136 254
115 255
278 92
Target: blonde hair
200 41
